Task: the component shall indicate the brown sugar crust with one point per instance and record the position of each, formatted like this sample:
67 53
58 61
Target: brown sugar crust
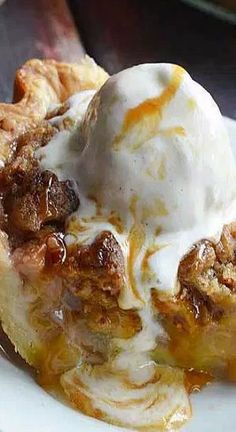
39 199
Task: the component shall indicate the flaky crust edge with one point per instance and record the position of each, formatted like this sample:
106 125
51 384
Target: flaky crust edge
38 85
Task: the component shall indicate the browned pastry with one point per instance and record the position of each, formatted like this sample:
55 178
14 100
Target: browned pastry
38 85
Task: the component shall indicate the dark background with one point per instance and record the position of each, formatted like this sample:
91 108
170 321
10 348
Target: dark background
120 33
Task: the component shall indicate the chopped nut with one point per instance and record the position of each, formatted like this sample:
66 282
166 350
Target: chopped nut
198 260
225 248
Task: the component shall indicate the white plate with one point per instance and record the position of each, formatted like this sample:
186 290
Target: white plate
25 407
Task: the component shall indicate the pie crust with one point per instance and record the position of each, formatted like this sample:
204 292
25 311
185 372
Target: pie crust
39 85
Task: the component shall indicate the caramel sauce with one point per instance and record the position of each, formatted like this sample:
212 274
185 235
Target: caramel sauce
134 386
195 381
162 170
157 169
75 226
172 131
47 209
231 369
136 242
52 385
116 221
156 209
145 268
133 206
56 250
158 231
154 105
149 108
57 357
75 389
97 203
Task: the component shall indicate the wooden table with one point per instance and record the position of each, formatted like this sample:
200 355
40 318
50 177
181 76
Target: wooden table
119 33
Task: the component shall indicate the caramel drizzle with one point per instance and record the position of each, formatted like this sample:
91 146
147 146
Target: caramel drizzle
157 169
75 226
195 381
145 267
172 131
156 209
149 113
136 242
81 224
133 206
115 220
134 386
97 204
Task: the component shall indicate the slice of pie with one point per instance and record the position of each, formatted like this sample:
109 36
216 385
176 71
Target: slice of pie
117 241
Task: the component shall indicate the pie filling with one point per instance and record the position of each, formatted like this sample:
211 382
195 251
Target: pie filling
112 348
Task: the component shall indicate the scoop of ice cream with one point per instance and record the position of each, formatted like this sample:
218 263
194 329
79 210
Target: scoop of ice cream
157 153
